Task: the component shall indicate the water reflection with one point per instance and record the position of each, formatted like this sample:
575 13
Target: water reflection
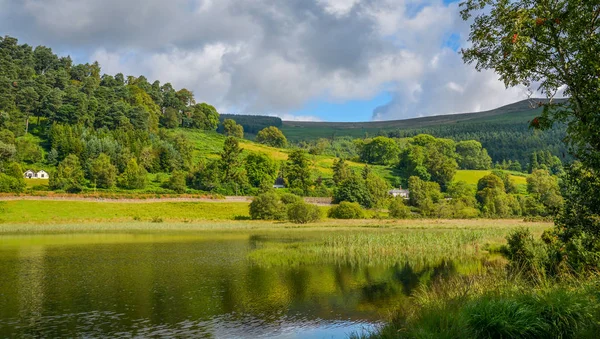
189 286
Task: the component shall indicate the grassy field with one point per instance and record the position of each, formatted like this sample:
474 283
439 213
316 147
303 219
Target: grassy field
472 176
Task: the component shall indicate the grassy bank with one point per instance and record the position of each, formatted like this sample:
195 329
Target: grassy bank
494 306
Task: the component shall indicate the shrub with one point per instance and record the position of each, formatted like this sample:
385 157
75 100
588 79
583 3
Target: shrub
267 206
527 256
177 182
302 213
10 184
289 198
398 210
346 210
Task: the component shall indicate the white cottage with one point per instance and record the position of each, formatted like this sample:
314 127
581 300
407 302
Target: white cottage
399 193
42 175
29 174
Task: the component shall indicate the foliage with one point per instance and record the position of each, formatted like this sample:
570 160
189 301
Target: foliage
379 150
341 171
578 225
232 168
271 136
11 179
134 176
492 197
253 123
545 190
232 129
353 189
346 210
471 155
260 169
102 173
177 182
302 213
424 195
552 44
69 175
398 210
297 171
267 206
430 159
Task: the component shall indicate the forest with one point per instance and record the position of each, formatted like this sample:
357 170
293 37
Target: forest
94 131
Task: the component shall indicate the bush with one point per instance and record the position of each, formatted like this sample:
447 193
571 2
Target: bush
289 198
303 213
527 256
267 206
346 210
177 182
10 184
398 210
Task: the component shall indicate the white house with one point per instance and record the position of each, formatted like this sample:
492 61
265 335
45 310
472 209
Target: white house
399 192
29 174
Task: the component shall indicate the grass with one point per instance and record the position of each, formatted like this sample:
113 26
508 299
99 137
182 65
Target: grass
23 211
472 176
493 306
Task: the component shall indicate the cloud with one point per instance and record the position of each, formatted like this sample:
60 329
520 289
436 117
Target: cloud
270 56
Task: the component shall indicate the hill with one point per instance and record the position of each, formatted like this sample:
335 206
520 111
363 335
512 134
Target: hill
504 131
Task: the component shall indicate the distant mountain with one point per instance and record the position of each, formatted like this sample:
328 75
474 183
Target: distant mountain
522 110
503 131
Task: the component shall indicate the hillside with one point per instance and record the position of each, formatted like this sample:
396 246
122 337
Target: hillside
504 131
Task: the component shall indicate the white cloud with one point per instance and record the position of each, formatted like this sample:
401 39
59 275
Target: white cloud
270 56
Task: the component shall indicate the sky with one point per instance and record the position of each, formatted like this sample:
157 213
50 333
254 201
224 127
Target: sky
316 60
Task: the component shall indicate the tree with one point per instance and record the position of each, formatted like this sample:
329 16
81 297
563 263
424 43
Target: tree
134 176
544 189
298 171
177 182
424 195
204 116
549 43
509 184
102 172
341 171
271 136
231 165
379 150
492 196
260 169
232 129
378 190
68 176
471 155
353 189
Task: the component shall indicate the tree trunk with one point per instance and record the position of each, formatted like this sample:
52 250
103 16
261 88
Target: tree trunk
27 125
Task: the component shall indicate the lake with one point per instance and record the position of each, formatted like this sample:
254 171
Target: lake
192 284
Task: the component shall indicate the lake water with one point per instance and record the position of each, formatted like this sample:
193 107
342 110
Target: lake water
187 285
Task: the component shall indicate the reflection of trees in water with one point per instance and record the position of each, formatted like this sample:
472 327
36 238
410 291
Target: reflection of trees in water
405 279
